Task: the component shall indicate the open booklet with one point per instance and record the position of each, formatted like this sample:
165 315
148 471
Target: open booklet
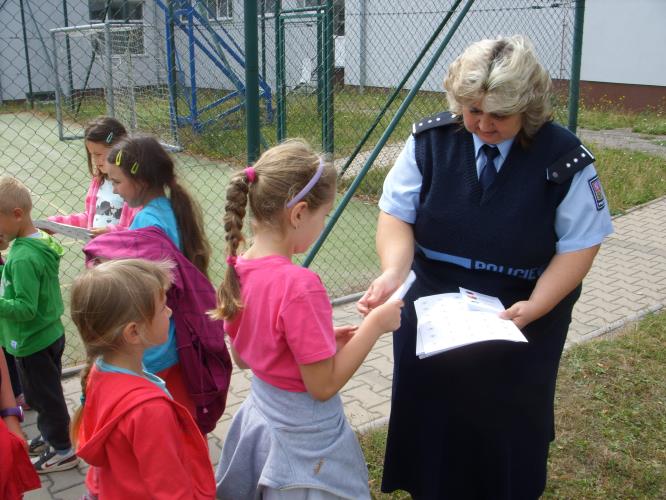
450 320
75 232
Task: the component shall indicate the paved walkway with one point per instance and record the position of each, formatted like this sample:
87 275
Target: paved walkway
628 280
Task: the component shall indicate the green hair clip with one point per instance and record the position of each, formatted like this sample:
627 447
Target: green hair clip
119 157
109 138
134 168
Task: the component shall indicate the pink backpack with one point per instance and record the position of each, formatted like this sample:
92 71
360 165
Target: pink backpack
202 351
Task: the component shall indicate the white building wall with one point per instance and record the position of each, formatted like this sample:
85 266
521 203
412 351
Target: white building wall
397 30
625 42
622 43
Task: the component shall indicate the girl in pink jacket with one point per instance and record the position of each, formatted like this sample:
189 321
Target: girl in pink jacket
104 210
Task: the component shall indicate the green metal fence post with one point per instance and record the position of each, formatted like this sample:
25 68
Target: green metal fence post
386 135
263 40
321 22
329 64
280 91
27 56
576 58
252 80
70 77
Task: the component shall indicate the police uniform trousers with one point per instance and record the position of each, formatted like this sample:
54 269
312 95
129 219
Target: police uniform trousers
474 422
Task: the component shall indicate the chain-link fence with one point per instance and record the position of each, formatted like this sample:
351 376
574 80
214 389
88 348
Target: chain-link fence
175 68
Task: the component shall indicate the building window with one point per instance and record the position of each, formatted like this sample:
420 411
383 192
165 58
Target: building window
221 9
338 13
124 39
268 7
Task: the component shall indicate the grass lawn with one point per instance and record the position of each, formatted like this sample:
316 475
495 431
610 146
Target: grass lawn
604 117
610 415
629 178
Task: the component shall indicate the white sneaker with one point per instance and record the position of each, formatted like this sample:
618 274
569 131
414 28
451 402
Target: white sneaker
51 461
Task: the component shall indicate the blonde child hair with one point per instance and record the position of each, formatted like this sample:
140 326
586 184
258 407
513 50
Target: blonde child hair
279 174
14 194
106 298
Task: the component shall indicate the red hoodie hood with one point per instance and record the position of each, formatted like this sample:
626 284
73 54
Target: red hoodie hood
124 415
107 402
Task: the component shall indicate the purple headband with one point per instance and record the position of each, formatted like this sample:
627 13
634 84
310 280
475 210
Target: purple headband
308 187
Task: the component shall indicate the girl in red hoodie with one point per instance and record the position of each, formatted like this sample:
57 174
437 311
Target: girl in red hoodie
140 442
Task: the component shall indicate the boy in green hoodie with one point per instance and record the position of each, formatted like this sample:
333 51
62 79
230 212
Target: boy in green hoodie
30 326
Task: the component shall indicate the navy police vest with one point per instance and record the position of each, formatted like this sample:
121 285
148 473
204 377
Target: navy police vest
505 237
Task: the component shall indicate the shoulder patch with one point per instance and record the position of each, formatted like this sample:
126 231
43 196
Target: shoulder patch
597 192
570 163
445 118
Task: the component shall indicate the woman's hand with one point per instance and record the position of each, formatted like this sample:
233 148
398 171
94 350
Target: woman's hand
343 334
523 313
379 290
564 273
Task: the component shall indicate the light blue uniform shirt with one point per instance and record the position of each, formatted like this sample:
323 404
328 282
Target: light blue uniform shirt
151 377
578 223
158 213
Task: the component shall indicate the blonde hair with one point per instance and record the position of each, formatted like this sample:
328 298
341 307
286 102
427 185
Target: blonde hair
506 75
105 299
281 172
14 194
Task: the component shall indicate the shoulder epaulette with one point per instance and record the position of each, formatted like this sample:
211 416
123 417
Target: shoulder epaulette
570 163
445 118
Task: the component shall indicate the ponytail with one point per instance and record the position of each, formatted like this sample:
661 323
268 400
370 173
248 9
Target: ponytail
78 414
143 159
190 223
228 294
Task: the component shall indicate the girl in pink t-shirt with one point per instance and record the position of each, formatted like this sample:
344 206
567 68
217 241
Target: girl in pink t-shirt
290 438
104 210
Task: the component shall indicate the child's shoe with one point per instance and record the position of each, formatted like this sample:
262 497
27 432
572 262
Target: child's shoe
52 461
37 446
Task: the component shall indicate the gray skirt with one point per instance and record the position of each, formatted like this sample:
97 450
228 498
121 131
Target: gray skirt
288 441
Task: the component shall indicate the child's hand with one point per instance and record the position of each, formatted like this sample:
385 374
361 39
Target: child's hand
378 291
343 334
96 231
386 317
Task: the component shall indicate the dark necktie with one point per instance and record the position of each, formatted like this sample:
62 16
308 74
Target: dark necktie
488 172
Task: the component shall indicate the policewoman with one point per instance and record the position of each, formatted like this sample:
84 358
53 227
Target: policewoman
494 197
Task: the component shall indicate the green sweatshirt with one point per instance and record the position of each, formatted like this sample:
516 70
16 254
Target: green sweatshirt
30 300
